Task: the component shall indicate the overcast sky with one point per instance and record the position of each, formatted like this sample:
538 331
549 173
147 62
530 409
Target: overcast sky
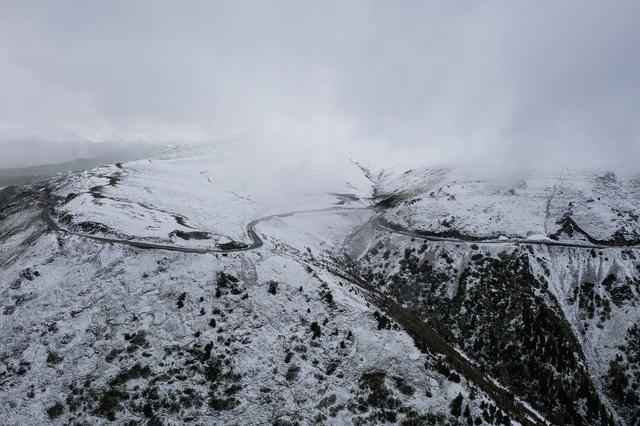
535 81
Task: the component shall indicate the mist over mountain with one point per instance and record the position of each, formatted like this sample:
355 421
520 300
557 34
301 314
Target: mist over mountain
550 83
340 213
24 153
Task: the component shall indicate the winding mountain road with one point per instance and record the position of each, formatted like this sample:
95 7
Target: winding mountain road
256 241
378 223
422 333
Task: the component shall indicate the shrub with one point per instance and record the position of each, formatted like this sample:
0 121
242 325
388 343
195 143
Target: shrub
456 405
292 373
55 410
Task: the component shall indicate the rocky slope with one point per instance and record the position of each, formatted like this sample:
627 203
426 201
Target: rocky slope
556 324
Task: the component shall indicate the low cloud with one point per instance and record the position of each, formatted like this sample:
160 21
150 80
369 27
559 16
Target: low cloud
551 83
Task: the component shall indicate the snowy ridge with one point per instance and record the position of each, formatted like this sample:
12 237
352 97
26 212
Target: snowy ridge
519 205
210 188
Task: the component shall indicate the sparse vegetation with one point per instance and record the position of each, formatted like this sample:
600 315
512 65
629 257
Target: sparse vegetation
292 373
506 320
55 410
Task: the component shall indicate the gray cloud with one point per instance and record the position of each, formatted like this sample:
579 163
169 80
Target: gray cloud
531 82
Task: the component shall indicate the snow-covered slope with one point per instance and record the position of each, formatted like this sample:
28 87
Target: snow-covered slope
593 291
331 319
97 332
215 188
532 204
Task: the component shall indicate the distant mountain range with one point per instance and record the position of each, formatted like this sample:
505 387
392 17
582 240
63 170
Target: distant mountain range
29 152
23 160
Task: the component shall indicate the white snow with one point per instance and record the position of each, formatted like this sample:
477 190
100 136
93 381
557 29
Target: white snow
214 188
90 293
514 205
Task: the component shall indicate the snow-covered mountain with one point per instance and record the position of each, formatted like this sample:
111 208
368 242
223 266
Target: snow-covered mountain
243 283
535 276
